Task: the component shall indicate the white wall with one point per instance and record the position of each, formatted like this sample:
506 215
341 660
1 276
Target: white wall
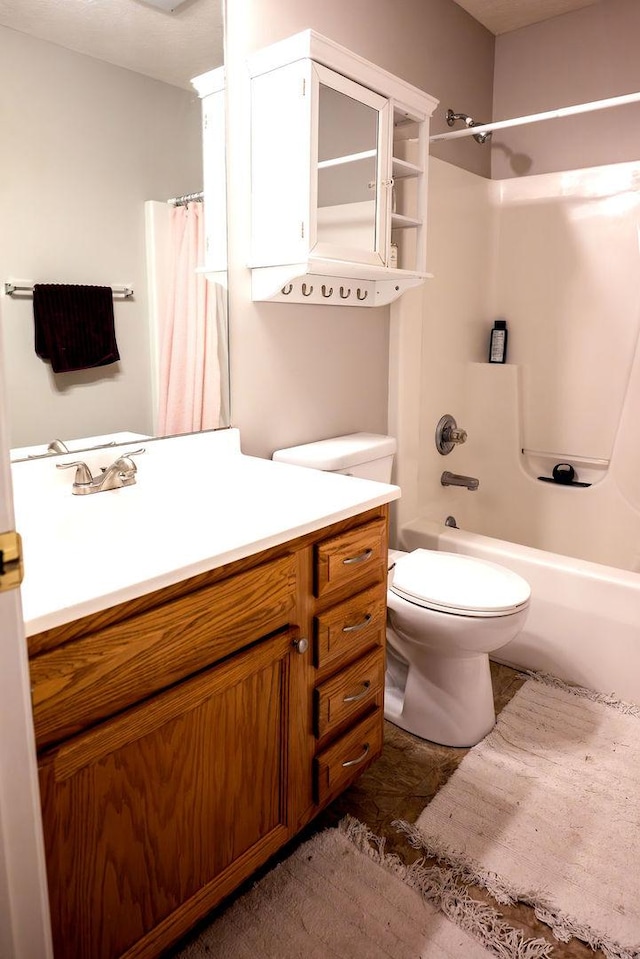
588 54
84 144
557 255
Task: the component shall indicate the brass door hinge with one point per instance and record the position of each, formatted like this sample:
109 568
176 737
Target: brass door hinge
11 570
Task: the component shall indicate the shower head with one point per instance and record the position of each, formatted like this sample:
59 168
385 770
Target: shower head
451 118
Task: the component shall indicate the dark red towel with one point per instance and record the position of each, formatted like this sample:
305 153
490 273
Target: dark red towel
74 326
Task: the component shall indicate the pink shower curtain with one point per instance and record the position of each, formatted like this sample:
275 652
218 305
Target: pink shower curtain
189 365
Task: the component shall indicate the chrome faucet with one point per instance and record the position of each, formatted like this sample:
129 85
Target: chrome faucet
455 479
122 472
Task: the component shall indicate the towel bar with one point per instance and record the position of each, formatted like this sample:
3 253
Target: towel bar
20 286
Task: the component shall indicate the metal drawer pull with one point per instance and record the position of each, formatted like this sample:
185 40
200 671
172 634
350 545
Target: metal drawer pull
360 558
357 626
360 759
358 696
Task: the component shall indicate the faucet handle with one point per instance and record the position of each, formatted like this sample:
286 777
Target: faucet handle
83 473
57 446
455 434
125 462
131 453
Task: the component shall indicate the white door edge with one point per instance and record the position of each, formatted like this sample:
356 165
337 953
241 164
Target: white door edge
25 931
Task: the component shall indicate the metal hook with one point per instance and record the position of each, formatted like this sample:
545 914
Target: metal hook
366 294
345 296
304 290
324 291
287 291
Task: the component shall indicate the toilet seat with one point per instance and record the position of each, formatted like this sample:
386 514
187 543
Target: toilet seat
458 584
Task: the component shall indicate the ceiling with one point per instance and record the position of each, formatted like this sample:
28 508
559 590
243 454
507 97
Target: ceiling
172 47
501 16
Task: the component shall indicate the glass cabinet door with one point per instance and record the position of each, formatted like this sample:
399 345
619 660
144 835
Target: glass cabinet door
350 179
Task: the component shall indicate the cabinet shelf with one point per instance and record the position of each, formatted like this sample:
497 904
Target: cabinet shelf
351 158
403 169
400 222
332 282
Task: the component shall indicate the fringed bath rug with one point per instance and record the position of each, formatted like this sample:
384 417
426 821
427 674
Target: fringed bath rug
546 811
340 896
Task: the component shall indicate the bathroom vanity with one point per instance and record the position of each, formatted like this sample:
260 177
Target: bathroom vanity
190 723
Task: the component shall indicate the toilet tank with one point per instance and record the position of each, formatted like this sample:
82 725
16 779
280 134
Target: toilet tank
365 455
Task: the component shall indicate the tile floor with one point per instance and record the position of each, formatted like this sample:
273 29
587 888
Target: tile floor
400 784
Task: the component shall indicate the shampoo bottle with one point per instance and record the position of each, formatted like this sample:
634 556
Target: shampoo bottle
498 342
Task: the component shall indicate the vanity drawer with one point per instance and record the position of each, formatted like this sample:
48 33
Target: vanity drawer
348 629
87 680
346 759
359 554
349 693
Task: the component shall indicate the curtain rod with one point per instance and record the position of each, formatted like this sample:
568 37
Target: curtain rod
535 117
187 198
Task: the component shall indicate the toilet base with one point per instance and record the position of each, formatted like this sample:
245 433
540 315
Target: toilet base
448 701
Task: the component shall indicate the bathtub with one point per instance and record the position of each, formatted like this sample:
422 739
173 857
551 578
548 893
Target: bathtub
584 618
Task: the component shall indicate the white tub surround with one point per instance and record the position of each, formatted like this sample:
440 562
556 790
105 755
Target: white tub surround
556 255
198 504
583 617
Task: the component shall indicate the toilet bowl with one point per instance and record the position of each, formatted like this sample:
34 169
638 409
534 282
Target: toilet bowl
445 613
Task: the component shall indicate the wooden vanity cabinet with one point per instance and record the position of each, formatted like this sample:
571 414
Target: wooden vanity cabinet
186 736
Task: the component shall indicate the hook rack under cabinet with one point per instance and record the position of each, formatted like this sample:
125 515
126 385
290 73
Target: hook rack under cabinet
335 293
321 289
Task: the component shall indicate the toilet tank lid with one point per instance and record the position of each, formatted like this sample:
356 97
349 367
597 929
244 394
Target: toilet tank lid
339 452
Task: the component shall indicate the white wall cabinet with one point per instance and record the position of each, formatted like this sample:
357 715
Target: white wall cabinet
211 89
339 152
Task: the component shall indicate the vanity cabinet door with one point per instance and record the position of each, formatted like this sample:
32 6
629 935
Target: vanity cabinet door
152 817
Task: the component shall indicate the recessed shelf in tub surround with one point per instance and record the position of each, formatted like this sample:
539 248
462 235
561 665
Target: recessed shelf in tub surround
198 504
588 471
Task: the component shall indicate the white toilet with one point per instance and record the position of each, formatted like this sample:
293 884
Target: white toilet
445 613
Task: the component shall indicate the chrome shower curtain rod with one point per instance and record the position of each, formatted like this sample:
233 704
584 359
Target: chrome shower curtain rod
536 117
187 198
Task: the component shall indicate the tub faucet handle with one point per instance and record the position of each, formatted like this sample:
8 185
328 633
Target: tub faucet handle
448 434
455 435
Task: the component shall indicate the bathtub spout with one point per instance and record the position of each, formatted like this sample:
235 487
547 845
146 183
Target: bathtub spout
455 479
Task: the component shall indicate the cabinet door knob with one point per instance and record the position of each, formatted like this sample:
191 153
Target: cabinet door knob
301 645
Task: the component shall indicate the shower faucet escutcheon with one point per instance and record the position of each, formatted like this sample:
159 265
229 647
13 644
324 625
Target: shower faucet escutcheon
448 434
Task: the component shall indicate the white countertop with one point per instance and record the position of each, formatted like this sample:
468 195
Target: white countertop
198 503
